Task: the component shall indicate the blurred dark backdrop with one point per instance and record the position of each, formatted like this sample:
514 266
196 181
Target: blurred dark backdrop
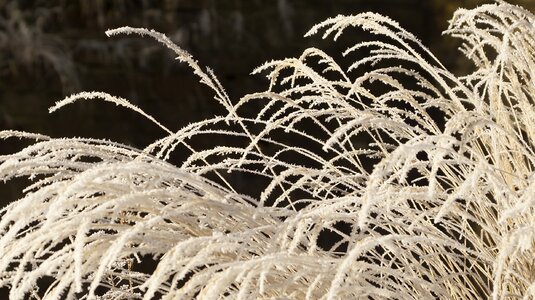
50 49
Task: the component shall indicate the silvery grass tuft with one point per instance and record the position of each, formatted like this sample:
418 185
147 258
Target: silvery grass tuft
423 180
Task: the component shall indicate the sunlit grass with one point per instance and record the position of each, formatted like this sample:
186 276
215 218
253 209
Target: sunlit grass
422 181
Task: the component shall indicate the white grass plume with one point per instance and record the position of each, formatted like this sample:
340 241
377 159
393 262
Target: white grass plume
423 179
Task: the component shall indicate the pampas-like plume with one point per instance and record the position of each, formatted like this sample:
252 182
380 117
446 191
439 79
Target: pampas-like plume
423 181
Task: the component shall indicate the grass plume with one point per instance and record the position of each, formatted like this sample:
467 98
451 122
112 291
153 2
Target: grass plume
422 179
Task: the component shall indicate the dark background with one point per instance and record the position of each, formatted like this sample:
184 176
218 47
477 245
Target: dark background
50 49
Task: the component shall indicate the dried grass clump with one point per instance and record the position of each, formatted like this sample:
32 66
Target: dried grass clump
423 181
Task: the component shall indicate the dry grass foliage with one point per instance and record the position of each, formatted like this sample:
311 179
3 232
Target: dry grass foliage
423 181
